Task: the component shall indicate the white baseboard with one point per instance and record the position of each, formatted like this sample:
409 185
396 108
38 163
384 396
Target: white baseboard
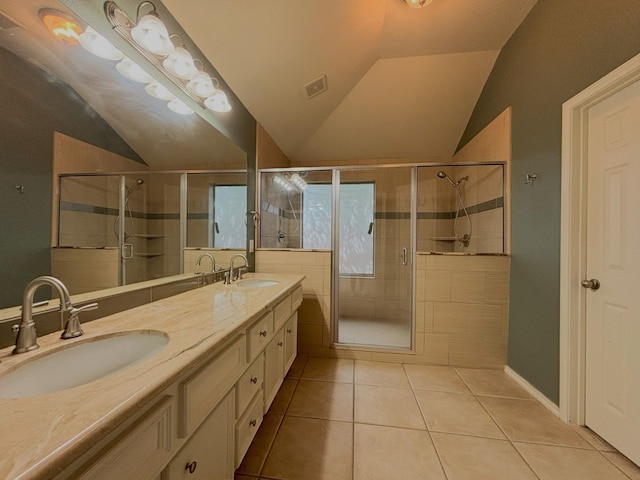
552 407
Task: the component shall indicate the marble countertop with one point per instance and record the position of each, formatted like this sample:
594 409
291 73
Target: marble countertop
41 435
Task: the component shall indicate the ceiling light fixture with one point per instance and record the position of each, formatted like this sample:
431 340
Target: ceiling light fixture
418 3
61 26
149 36
95 43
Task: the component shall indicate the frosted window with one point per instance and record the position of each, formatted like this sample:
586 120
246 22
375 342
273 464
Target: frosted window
316 216
228 227
356 228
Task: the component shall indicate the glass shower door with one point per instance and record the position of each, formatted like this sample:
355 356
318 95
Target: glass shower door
373 269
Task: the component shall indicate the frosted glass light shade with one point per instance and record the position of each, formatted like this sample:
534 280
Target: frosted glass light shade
133 71
152 35
201 85
180 63
95 43
158 90
178 106
218 102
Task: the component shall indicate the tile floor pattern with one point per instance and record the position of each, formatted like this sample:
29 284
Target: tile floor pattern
337 419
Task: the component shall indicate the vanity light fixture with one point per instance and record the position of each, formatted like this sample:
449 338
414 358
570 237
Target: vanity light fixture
418 3
201 85
133 71
95 43
148 36
178 106
150 33
218 102
156 89
61 26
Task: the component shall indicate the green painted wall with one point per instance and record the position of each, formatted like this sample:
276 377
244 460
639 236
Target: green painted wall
562 47
33 105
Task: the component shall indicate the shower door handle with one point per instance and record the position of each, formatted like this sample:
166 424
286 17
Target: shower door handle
404 256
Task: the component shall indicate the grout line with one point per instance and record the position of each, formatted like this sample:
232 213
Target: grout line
424 419
601 452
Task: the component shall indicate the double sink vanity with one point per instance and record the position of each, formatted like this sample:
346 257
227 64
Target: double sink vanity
172 389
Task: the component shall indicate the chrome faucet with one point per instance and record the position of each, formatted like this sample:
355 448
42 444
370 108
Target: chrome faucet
213 261
26 337
230 277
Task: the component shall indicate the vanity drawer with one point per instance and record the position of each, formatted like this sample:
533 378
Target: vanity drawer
281 312
247 427
142 450
296 298
249 385
208 454
258 335
202 391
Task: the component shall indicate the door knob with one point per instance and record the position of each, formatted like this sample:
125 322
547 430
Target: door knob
593 284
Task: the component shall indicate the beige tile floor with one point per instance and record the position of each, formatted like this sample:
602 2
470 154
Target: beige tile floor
337 419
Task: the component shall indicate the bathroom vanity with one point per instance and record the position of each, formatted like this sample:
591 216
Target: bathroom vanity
188 411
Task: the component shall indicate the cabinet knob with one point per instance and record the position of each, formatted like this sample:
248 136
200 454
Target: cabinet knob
280 344
254 379
191 466
253 422
263 333
289 330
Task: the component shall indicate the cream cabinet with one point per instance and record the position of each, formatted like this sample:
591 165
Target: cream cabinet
273 368
208 454
141 450
290 341
202 425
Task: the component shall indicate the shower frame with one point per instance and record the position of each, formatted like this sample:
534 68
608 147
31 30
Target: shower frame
122 193
335 179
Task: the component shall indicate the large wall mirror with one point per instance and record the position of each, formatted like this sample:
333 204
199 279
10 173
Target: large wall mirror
77 138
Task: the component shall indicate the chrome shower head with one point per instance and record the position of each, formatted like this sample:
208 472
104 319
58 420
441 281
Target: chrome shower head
441 174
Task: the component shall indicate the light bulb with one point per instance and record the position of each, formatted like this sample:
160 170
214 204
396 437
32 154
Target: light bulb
152 35
158 90
418 3
133 71
201 85
180 63
178 106
218 102
95 43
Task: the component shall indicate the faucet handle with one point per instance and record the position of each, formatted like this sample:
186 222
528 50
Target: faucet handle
72 328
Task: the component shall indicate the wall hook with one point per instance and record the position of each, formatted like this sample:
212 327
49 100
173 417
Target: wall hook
20 188
531 178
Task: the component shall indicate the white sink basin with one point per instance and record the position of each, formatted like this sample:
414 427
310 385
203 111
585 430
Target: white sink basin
81 363
253 283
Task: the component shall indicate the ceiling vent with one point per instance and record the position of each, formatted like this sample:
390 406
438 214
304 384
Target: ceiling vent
316 87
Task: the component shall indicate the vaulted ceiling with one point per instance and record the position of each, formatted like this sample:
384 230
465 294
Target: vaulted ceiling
402 82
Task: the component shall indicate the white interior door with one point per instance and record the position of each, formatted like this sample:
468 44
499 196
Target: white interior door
613 258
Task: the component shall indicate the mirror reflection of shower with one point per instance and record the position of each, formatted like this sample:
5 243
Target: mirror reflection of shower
465 238
127 209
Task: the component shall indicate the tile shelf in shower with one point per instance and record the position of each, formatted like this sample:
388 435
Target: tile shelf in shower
148 254
147 235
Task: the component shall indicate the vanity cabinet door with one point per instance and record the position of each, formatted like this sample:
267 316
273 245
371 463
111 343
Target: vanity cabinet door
208 454
290 341
273 368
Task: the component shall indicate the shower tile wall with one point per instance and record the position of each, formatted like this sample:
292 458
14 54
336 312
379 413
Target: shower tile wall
314 315
163 218
483 196
461 308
